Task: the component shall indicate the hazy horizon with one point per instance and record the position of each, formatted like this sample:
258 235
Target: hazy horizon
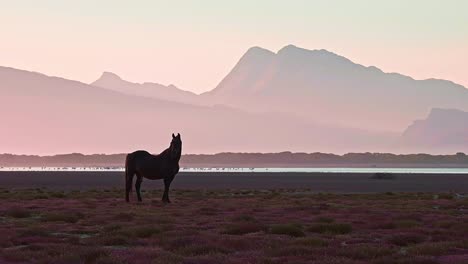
193 45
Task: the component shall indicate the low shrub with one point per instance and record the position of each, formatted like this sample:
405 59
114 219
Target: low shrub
244 218
243 228
292 250
435 248
17 212
201 250
365 252
324 219
446 196
406 239
332 228
293 230
311 242
68 217
57 195
145 231
407 223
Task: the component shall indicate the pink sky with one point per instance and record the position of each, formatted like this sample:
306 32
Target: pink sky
194 44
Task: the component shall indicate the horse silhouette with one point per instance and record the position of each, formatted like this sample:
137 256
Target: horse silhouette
164 166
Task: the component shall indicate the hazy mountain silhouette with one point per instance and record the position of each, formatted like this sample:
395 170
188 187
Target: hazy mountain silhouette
42 114
295 99
442 130
326 87
113 82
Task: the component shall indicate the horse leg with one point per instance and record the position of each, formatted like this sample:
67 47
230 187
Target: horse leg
128 183
129 173
167 183
138 182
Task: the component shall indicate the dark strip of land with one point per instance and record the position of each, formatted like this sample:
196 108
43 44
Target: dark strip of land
315 182
247 160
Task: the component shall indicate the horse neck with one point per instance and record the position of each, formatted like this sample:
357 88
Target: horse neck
177 159
167 153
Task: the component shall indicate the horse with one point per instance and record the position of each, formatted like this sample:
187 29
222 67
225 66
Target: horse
163 166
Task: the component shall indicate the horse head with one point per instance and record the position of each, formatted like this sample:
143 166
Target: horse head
176 146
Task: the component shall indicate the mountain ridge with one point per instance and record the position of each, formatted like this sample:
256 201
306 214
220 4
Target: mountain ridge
304 81
112 81
49 115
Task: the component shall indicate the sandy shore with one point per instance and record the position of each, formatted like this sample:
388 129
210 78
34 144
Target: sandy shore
316 182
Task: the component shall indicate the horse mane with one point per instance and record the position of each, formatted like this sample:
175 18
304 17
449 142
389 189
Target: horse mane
166 154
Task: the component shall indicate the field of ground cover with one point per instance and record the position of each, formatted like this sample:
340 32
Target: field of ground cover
232 226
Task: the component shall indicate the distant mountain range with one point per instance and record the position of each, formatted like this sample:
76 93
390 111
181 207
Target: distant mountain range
296 99
443 129
328 88
113 82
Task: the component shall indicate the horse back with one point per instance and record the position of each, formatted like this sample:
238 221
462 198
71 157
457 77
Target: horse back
148 165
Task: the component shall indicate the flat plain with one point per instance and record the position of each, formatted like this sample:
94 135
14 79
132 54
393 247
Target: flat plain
282 220
316 182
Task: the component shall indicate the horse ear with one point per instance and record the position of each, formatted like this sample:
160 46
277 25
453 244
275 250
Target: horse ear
178 135
173 135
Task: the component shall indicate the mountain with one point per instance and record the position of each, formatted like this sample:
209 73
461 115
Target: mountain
50 114
113 82
322 86
44 115
443 130
295 100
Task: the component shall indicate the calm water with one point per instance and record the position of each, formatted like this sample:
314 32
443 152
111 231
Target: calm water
329 170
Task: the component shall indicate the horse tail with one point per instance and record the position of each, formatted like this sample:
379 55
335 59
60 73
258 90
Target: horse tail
129 173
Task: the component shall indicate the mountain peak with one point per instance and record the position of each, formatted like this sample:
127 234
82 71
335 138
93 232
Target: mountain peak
106 79
289 47
257 49
256 56
292 49
109 76
257 52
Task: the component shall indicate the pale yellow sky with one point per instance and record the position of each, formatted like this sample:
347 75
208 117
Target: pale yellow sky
194 44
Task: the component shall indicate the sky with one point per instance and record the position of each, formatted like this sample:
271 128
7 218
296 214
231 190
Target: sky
194 44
